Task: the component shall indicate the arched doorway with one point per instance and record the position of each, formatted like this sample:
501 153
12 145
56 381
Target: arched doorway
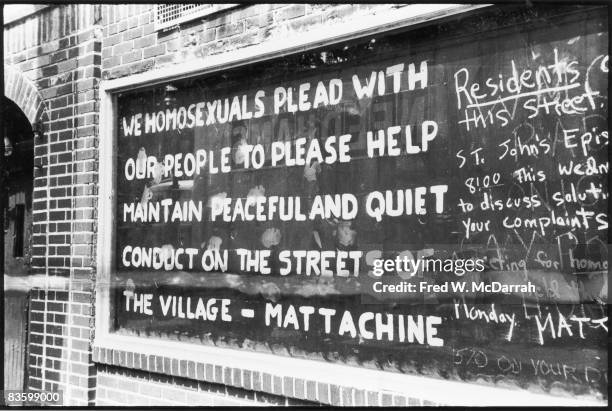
16 205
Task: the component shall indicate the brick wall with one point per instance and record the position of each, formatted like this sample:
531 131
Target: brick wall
54 60
120 386
132 46
208 384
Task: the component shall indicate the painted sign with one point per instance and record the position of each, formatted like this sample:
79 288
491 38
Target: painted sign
431 202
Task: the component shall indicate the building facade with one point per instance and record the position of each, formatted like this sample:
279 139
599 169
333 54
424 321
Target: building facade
90 79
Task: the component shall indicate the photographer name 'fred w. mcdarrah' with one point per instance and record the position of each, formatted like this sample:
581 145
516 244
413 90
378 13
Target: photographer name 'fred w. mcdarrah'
456 287
280 204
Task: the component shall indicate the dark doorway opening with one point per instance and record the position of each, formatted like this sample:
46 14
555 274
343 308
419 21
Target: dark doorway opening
16 175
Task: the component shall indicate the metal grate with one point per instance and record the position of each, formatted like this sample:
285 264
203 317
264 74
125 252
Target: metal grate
168 15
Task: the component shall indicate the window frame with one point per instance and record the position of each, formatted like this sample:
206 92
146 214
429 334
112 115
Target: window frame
426 388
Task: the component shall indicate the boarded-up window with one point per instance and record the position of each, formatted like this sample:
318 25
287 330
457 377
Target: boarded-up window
256 206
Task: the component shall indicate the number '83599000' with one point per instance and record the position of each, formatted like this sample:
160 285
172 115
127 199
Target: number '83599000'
12 397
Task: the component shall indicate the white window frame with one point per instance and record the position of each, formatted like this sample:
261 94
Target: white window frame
426 388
